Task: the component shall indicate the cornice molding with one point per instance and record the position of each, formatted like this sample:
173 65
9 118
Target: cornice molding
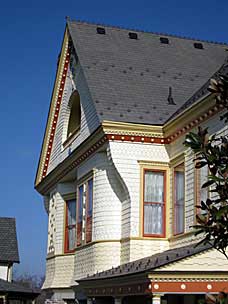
79 155
54 110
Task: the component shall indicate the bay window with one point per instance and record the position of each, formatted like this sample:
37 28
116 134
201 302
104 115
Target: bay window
154 203
179 190
70 225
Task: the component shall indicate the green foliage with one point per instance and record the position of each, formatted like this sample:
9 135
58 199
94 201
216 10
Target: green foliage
213 153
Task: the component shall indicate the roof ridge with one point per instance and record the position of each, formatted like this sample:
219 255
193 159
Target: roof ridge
143 31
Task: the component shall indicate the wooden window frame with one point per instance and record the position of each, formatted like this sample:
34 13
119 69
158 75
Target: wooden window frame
164 203
174 199
66 228
88 238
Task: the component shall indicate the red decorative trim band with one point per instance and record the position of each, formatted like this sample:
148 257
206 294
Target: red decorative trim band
188 286
211 112
142 139
56 113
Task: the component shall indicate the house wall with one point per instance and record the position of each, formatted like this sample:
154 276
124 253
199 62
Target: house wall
127 158
210 260
117 208
3 272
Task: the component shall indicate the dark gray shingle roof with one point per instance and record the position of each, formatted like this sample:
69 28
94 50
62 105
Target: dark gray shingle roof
8 240
150 263
130 80
16 288
202 91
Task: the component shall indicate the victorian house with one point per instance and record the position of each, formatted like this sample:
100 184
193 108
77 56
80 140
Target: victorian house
118 185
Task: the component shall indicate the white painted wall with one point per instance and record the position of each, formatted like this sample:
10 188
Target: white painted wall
3 272
116 210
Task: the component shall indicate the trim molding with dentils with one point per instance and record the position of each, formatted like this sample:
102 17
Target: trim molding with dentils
72 161
59 95
100 136
54 109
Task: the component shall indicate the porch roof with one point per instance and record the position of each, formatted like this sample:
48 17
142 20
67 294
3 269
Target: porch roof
149 263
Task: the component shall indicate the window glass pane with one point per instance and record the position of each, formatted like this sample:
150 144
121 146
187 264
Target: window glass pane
70 224
179 183
71 208
153 218
203 173
80 204
90 198
71 238
179 202
154 187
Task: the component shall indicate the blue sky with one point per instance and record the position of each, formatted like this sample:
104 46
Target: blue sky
31 34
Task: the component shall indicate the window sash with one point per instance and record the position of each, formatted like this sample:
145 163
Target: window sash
154 203
80 215
179 199
70 227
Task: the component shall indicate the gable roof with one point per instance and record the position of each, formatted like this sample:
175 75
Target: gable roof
150 263
8 240
131 80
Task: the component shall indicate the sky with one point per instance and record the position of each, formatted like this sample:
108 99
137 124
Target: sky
31 33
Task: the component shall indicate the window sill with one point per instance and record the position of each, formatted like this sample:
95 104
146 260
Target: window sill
71 138
180 236
69 251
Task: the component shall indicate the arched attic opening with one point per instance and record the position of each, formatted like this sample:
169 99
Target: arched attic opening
74 122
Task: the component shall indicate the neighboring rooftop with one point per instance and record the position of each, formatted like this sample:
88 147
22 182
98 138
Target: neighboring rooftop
150 263
142 77
10 287
8 240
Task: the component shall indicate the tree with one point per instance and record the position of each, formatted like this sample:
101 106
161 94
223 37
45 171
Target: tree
213 153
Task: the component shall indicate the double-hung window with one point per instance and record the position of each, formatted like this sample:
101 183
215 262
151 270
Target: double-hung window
85 212
179 199
70 225
154 203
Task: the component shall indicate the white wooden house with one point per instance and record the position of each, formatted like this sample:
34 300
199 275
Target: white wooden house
119 187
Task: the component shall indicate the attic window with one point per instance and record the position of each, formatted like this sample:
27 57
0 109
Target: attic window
101 30
164 40
74 122
198 45
133 35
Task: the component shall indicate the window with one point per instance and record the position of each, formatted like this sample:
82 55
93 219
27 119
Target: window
201 176
89 211
75 114
85 212
70 226
179 190
154 203
80 215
